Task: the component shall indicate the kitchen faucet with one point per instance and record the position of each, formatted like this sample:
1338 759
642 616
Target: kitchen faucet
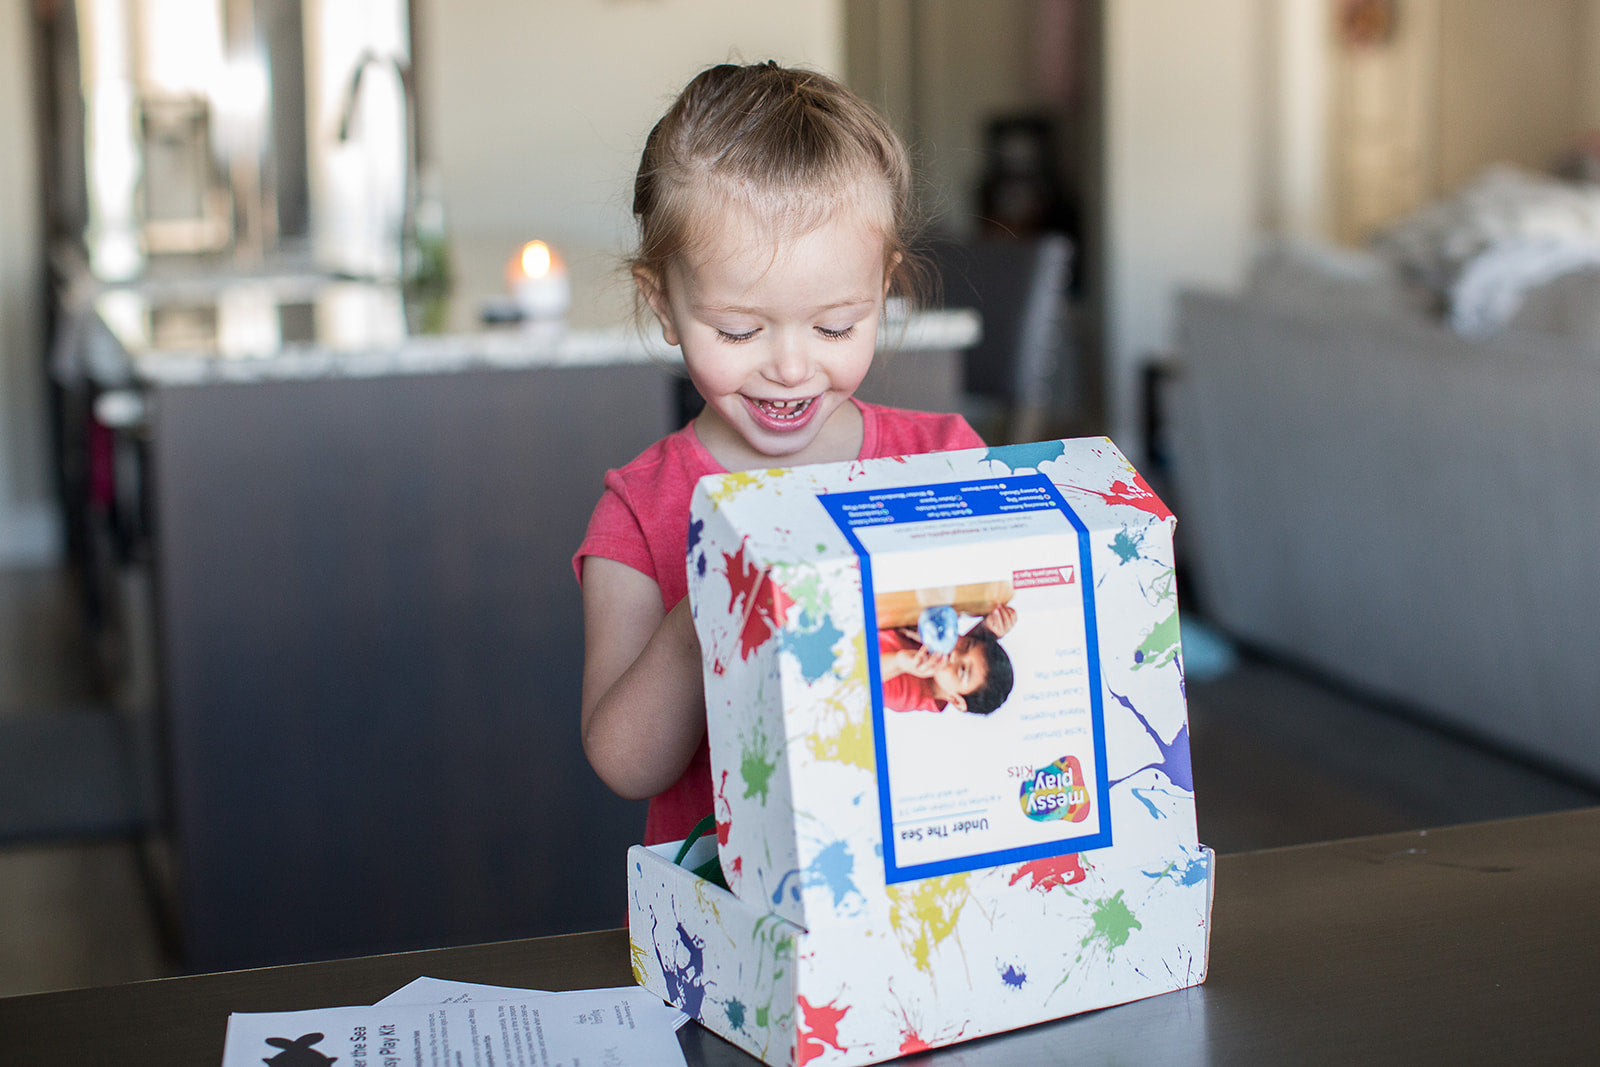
408 188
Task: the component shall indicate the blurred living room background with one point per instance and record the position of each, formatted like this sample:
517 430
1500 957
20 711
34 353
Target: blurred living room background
1327 271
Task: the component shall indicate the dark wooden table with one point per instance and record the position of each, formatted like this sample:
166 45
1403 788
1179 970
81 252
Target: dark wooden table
1471 944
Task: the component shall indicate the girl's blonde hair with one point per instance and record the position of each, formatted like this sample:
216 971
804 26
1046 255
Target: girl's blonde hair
789 146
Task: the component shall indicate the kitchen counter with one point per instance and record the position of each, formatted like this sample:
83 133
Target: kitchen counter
194 326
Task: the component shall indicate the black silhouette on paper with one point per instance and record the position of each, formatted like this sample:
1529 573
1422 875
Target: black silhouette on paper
298 1053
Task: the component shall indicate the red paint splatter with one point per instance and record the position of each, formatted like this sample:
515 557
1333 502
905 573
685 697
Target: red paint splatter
819 1026
1052 873
763 605
913 1043
723 825
1138 495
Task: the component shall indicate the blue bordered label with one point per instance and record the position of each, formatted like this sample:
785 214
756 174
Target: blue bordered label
986 695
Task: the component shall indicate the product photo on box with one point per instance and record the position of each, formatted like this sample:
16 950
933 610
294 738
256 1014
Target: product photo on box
950 759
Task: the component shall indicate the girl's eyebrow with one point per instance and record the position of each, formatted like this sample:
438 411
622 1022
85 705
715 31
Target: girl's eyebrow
739 309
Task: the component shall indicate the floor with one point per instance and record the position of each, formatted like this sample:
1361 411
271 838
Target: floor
1280 758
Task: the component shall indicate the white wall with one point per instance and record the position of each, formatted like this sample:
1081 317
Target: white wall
1589 65
28 521
1510 84
1183 125
535 110
1294 114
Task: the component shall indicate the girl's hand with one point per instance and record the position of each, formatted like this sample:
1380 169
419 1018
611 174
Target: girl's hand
919 662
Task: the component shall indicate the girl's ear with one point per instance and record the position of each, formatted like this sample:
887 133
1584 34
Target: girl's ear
653 289
890 270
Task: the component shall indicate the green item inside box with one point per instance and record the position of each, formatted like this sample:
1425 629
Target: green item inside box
710 868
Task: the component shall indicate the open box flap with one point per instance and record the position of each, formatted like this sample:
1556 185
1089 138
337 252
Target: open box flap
779 601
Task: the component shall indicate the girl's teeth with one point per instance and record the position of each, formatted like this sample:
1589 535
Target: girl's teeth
785 409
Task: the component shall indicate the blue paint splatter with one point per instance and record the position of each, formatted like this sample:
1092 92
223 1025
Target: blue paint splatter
1190 873
794 890
1174 759
1194 872
700 565
696 528
833 867
813 645
686 985
1013 977
1025 456
1125 546
735 1014
1139 795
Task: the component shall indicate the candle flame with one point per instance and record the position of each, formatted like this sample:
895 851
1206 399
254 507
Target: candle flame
536 259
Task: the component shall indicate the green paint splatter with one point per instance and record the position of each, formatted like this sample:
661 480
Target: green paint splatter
762 1014
1113 922
1161 646
807 592
756 769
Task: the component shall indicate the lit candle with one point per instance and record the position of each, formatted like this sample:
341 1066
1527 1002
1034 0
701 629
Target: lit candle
538 282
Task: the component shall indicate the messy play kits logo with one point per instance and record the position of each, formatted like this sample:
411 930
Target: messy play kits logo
1056 791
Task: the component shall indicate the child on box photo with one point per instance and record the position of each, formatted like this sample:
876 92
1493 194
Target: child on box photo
774 221
974 676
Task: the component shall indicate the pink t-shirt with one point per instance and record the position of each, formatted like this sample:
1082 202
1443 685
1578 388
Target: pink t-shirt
905 692
642 520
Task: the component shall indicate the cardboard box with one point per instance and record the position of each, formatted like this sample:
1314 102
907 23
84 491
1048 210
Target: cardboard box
916 853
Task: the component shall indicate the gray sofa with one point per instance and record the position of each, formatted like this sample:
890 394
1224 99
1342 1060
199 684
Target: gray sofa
1417 513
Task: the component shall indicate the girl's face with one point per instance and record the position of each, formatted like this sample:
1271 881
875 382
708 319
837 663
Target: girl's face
776 336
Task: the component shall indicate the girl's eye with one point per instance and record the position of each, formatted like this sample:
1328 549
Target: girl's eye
837 335
734 338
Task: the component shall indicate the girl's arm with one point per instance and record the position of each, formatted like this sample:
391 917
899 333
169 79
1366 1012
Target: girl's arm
643 700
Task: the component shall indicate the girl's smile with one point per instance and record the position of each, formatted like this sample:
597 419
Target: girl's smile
776 334
782 416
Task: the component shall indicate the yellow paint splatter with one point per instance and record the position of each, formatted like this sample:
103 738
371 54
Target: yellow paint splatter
731 485
706 901
851 745
924 913
639 958
852 742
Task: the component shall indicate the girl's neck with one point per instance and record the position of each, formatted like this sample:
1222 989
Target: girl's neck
840 440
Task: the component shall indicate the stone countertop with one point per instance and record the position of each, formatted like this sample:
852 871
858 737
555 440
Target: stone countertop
289 322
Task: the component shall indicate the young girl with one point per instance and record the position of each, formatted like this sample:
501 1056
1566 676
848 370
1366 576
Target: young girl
772 213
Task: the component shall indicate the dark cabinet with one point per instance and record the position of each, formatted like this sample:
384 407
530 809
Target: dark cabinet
370 656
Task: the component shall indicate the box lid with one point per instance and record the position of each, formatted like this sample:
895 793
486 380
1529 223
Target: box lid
833 781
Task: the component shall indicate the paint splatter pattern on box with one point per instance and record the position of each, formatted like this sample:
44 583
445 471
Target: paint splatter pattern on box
813 956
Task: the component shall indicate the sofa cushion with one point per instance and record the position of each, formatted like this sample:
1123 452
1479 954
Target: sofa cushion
1484 248
1568 306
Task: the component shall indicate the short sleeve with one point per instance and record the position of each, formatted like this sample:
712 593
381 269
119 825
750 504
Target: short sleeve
615 533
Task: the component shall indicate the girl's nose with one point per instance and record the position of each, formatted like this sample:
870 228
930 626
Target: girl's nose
790 364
